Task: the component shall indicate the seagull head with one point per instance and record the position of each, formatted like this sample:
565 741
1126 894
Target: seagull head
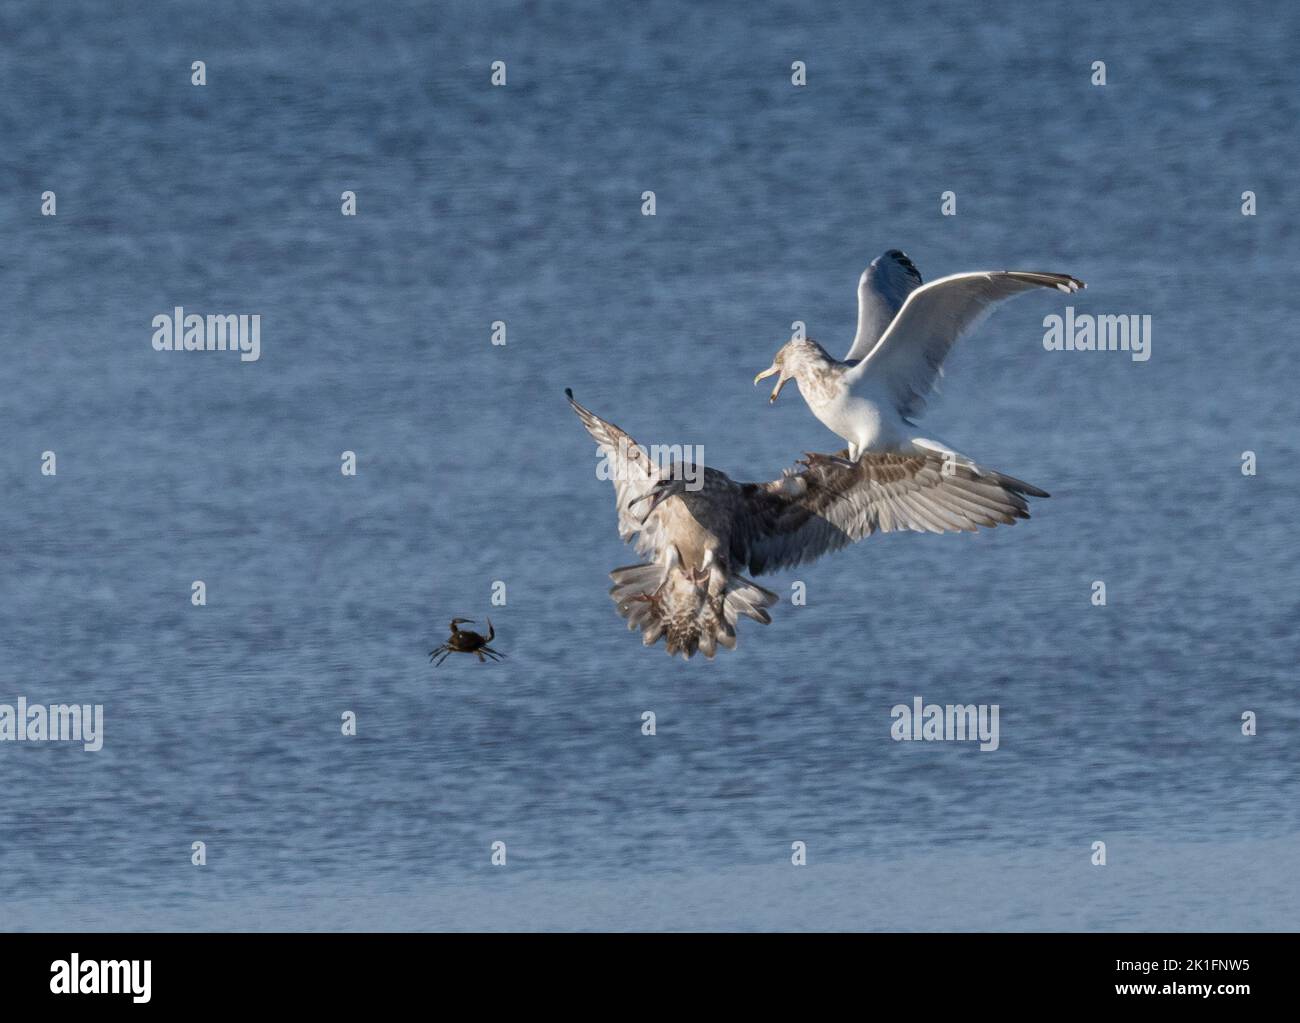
793 356
661 491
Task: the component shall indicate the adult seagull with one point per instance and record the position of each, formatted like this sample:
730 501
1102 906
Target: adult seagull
698 540
905 330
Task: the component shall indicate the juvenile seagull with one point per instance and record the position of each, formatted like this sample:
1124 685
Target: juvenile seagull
905 330
698 540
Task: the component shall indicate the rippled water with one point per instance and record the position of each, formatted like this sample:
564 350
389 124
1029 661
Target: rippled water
1118 724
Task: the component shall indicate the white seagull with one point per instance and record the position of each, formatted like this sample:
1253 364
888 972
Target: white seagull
697 541
905 330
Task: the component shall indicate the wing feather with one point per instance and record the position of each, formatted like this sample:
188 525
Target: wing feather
634 475
909 355
882 290
804 515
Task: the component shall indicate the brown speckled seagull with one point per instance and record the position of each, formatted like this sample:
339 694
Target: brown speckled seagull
698 540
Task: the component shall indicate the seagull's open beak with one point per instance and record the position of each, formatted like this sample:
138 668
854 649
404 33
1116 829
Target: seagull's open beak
779 384
661 491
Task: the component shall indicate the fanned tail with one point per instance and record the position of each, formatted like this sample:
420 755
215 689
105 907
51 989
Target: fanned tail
666 602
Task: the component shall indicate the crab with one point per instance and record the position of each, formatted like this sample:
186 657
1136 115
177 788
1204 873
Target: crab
462 641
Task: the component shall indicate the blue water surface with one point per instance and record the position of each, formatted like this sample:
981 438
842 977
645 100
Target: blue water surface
523 204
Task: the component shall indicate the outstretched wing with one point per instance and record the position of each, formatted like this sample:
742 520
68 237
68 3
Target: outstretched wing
804 515
633 475
910 353
882 290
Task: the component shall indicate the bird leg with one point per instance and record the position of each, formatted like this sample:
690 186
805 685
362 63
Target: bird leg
815 460
701 574
653 597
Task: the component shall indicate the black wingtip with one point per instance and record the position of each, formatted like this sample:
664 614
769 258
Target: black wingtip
568 393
